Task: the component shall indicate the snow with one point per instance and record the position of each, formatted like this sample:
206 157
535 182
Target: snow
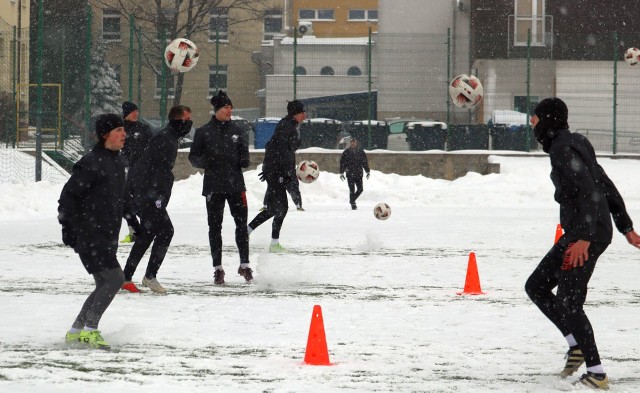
387 290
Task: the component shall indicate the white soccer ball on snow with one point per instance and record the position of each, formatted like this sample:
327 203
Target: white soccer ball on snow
382 211
466 91
307 171
632 56
181 55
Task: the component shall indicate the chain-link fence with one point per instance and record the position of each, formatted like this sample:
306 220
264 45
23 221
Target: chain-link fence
394 85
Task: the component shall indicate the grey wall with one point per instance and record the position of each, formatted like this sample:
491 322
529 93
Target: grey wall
447 166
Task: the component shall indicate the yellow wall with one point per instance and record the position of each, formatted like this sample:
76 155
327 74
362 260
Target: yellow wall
340 26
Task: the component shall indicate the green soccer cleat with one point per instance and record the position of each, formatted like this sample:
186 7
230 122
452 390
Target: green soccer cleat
575 359
277 248
93 339
72 338
130 238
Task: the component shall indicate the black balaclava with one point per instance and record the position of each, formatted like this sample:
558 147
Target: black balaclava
552 116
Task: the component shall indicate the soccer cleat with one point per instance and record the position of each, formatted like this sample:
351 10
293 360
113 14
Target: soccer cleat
93 339
300 209
218 277
130 238
574 361
263 208
131 287
72 338
153 284
594 381
354 207
246 272
277 248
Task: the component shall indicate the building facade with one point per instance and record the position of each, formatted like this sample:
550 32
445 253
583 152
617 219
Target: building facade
14 57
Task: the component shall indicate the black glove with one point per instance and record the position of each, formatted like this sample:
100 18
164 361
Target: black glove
262 176
68 236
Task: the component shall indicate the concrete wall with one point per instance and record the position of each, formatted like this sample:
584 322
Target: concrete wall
440 165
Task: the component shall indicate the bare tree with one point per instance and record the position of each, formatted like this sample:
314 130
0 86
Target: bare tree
180 18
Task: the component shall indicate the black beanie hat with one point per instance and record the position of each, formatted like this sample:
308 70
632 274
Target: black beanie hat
107 122
294 107
553 112
220 101
128 107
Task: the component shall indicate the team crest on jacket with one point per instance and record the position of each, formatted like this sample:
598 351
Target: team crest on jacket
234 138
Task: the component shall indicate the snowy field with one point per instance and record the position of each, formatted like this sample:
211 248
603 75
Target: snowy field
387 289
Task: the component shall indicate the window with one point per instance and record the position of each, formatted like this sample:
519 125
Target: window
529 15
218 20
170 85
110 25
363 15
327 71
316 14
1 45
272 24
300 70
354 71
217 78
520 104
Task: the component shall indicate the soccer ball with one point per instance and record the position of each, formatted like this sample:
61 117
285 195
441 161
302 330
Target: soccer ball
382 211
181 55
466 91
632 56
307 171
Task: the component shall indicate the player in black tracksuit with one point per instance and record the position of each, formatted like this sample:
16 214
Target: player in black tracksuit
91 207
221 148
587 199
353 161
150 182
138 136
278 169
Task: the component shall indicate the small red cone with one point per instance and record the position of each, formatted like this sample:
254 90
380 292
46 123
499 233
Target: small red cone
472 282
559 233
317 353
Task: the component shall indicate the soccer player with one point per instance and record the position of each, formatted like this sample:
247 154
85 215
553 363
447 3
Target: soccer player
150 182
588 199
353 161
221 149
91 207
279 169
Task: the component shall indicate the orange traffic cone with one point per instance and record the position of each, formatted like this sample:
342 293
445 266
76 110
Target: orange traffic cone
559 233
317 353
472 282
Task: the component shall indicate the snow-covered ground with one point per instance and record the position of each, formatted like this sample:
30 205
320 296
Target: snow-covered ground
387 289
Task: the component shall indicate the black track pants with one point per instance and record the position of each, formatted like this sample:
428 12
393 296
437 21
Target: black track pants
215 213
108 283
355 187
157 229
277 207
565 308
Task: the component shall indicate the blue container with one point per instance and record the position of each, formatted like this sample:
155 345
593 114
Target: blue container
264 128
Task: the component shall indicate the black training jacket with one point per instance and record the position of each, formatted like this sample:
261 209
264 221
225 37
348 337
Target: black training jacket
151 178
280 151
586 195
138 136
92 203
221 149
353 161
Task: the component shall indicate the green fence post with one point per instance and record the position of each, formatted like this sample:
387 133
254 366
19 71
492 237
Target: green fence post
370 101
217 58
447 100
132 26
163 81
39 90
614 142
295 63
87 82
139 70
14 82
529 137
